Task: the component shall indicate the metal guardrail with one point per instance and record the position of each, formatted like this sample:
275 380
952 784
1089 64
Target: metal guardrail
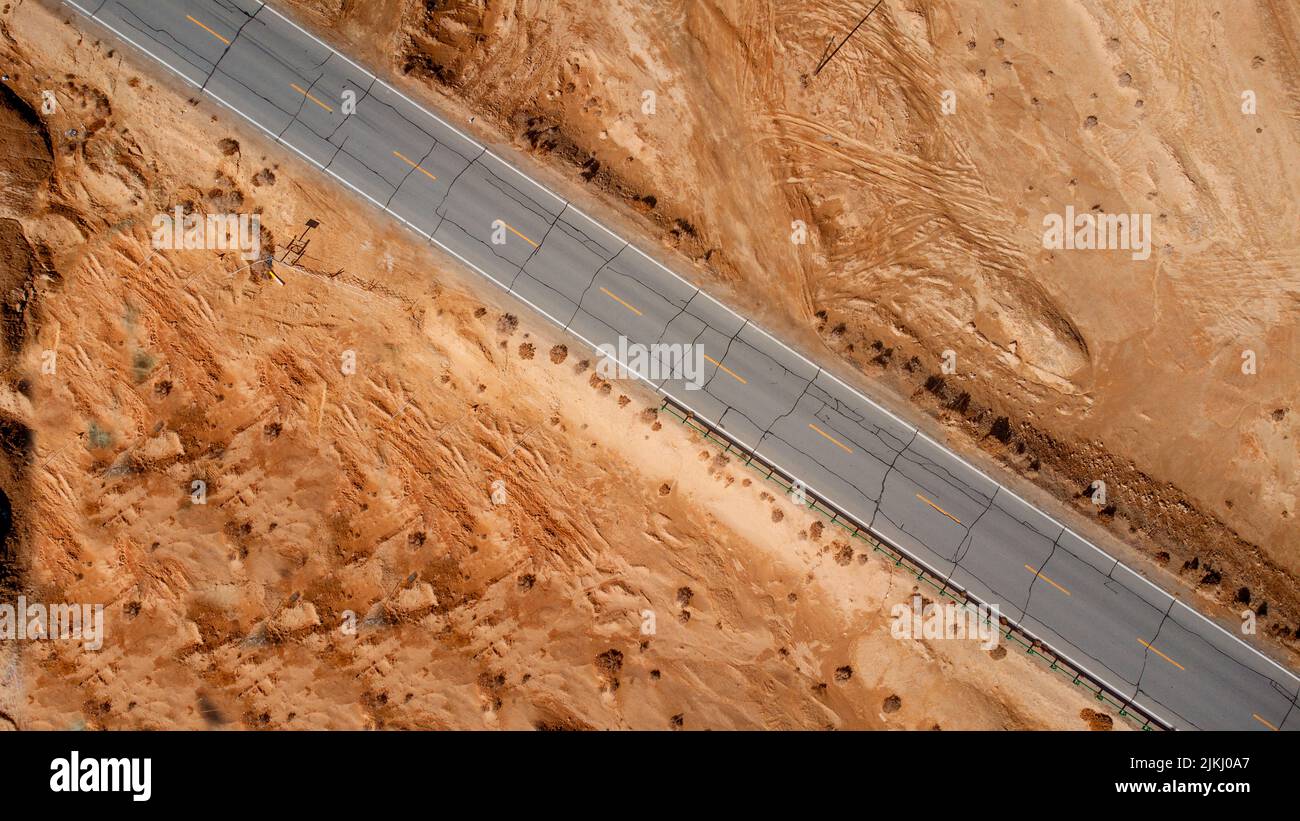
1032 645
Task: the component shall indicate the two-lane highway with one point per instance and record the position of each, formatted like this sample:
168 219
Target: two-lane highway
1164 657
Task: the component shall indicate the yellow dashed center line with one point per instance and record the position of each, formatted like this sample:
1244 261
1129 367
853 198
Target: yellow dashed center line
512 230
837 442
611 295
1049 581
1161 655
733 374
305 93
1262 721
208 30
399 155
936 507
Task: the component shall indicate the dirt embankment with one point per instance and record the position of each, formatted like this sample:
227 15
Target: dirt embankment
919 164
367 498
26 165
25 271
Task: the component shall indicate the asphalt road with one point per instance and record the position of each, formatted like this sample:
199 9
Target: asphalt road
1124 631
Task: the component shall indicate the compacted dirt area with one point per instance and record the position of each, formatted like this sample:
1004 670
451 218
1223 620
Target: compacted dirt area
353 493
918 165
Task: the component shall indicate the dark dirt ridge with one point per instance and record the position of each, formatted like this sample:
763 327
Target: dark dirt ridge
27 165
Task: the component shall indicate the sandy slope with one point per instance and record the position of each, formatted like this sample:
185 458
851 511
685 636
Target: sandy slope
925 228
370 492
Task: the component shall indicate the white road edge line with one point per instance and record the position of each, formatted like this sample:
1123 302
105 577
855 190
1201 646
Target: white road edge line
713 299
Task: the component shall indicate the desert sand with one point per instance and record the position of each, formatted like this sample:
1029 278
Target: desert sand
921 162
420 507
